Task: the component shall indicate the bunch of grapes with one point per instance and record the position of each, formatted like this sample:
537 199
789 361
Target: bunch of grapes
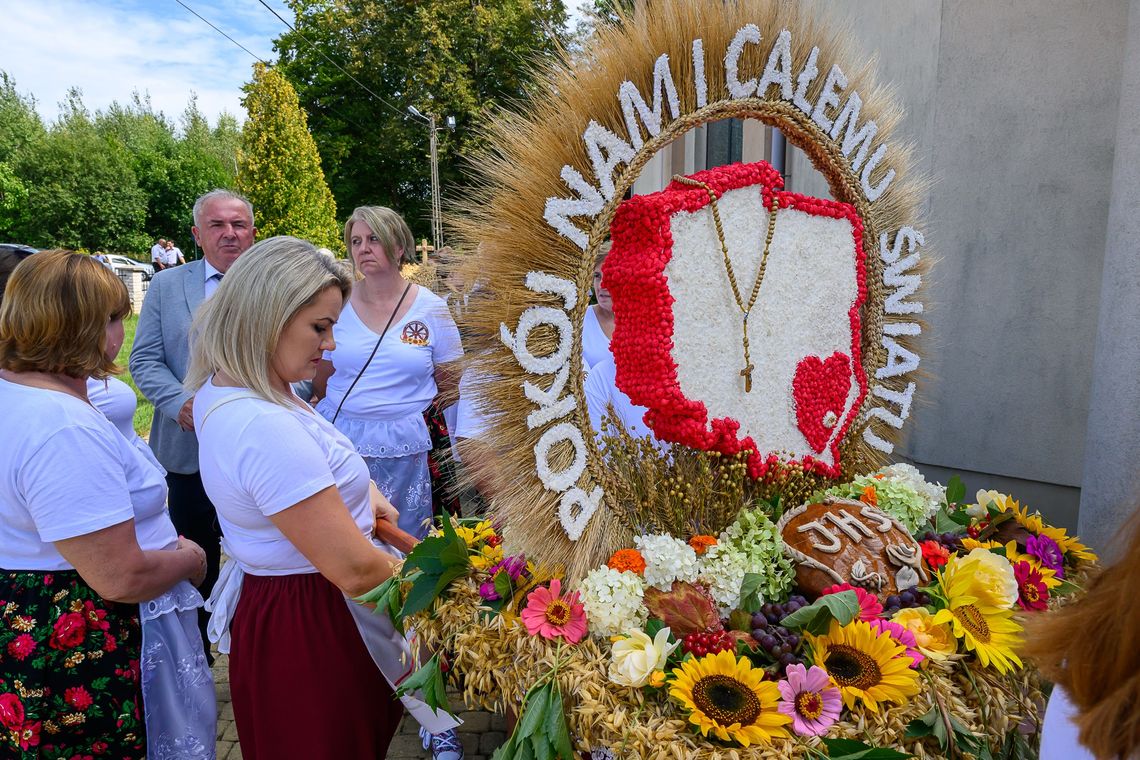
952 542
708 642
779 642
912 597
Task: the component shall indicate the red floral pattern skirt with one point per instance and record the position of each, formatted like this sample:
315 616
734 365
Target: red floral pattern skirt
69 670
303 683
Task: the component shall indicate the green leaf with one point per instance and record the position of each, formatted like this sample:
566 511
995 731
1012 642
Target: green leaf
816 618
503 585
750 587
652 626
426 555
455 554
850 749
1066 588
542 748
534 711
955 490
506 751
449 530
560 735
379 593
421 595
948 522
428 681
447 577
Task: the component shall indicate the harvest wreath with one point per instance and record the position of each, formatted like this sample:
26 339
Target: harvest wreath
753 581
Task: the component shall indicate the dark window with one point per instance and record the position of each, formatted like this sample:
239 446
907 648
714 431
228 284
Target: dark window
724 142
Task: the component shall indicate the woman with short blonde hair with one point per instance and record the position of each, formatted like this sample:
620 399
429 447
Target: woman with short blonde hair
395 344
298 513
92 564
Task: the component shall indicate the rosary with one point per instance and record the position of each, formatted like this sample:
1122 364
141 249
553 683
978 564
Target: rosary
745 310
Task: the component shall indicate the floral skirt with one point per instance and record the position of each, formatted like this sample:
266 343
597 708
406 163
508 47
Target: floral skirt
69 670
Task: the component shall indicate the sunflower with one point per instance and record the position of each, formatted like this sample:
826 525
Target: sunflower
865 665
730 698
988 630
1035 524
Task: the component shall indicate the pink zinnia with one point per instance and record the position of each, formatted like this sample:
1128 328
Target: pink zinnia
551 615
810 699
869 606
902 635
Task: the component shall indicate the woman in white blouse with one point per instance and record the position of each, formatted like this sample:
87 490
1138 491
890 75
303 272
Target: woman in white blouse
298 513
392 343
102 655
598 326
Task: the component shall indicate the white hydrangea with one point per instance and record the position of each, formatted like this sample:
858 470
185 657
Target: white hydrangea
722 570
612 600
908 475
667 559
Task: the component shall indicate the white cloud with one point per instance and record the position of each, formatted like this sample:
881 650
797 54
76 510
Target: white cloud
111 49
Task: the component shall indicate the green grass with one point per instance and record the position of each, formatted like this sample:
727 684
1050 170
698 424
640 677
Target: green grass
144 413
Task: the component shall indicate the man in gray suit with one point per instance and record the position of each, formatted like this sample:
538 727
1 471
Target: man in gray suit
223 227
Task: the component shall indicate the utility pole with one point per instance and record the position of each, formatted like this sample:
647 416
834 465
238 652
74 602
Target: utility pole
436 210
436 206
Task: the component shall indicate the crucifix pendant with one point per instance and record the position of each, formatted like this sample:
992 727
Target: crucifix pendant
746 373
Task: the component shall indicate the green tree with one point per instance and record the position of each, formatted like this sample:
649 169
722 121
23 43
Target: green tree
82 190
279 169
456 58
20 126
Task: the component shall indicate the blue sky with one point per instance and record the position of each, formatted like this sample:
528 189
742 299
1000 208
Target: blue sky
111 48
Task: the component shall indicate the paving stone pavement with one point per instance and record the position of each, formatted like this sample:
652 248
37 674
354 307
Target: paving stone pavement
481 732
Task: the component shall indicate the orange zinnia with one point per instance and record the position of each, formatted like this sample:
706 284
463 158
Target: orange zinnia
627 560
870 496
701 543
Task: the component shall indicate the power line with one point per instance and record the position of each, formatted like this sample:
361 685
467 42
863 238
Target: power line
392 107
219 31
331 110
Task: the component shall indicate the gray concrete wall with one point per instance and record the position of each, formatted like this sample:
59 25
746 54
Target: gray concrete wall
1013 107
1023 136
1111 482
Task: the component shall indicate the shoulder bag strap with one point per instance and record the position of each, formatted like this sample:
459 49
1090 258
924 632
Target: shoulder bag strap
373 354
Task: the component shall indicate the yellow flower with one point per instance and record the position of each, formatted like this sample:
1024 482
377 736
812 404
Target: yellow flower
729 698
866 666
935 640
657 679
987 629
994 582
969 544
487 557
471 536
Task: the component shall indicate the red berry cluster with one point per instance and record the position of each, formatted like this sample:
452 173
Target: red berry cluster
642 342
708 642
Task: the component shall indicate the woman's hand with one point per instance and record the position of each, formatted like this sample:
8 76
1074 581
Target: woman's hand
199 575
385 525
382 509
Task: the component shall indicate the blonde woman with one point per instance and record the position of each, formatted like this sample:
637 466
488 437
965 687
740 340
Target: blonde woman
298 512
392 343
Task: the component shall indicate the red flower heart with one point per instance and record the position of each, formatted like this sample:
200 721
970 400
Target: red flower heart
820 389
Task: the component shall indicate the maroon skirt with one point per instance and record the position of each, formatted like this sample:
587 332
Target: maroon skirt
302 681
